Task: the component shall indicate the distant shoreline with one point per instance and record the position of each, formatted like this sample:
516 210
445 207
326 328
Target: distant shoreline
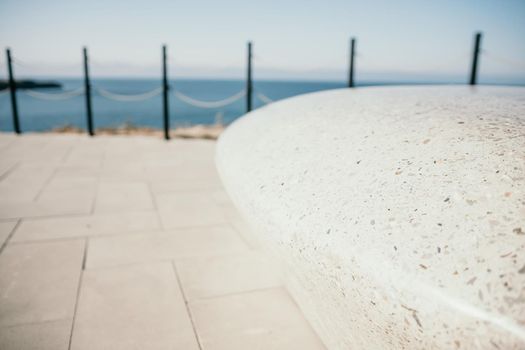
31 84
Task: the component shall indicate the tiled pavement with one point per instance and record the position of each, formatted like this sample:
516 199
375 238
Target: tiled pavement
131 243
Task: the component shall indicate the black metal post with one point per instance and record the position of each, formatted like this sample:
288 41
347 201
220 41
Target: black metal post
351 68
475 59
165 88
12 90
249 87
87 88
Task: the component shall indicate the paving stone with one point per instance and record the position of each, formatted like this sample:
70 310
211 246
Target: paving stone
123 196
6 227
242 227
39 281
267 319
64 171
92 225
86 153
6 140
24 182
175 244
76 188
60 204
220 197
184 177
6 166
185 171
123 171
196 185
79 193
219 275
188 210
132 307
38 149
52 335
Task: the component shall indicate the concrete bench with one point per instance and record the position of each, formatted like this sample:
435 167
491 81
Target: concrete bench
399 212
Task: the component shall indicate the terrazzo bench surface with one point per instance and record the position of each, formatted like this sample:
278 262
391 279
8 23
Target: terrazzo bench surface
398 212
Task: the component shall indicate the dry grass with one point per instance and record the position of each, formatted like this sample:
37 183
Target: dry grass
211 132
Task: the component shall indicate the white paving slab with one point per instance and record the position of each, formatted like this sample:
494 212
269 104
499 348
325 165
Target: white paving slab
159 246
267 319
53 335
39 281
60 204
6 227
206 277
133 307
189 210
120 196
86 225
25 182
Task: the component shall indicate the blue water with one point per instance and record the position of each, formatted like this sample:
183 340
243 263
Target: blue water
38 115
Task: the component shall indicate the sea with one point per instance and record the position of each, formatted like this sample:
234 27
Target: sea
36 114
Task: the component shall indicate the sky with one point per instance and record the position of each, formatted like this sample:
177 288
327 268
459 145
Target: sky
293 40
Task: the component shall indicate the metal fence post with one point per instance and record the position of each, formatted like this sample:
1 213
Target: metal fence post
351 68
249 85
87 88
475 58
165 88
12 91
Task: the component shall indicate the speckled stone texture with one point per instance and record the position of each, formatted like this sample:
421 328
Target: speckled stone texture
399 212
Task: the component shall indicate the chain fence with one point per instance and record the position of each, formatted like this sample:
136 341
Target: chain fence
64 95
365 59
209 104
128 97
263 98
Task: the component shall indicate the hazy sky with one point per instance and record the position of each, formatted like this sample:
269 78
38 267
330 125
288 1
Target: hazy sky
297 39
